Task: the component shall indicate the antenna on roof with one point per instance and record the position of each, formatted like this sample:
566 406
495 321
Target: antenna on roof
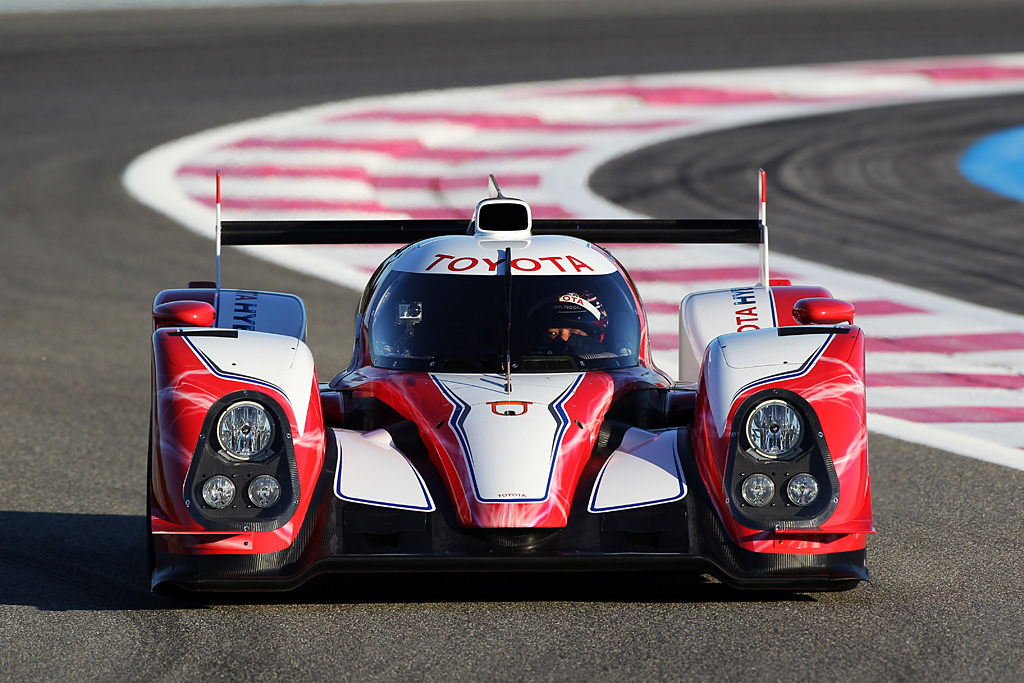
762 220
493 191
508 321
217 230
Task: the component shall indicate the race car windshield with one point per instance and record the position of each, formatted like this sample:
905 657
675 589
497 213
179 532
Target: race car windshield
455 324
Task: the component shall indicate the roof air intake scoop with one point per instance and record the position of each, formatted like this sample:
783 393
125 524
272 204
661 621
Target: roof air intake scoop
501 222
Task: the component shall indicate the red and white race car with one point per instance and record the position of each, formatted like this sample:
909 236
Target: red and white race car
502 412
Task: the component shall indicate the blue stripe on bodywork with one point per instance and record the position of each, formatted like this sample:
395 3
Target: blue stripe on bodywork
799 372
460 410
217 372
429 507
600 477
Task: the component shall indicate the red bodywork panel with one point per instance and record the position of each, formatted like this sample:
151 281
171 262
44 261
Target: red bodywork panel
187 390
835 389
416 397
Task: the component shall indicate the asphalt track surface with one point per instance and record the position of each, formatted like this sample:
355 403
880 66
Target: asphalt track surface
82 95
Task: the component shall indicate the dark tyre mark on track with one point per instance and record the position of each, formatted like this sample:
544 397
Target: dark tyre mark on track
874 191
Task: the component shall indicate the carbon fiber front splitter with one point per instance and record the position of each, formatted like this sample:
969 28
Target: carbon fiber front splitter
833 572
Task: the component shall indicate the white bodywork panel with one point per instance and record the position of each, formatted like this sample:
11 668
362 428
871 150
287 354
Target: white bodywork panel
644 470
372 471
464 255
281 363
737 362
706 315
511 441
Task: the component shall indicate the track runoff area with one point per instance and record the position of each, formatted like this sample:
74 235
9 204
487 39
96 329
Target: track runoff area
941 372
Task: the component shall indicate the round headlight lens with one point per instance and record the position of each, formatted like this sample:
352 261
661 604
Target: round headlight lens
245 431
758 490
802 489
774 429
264 491
218 491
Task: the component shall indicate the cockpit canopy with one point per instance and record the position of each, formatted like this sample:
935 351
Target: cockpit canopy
419 321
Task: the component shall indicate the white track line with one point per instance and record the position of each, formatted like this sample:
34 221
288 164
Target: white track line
946 370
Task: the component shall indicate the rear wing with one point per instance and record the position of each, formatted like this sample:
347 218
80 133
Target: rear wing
405 231
402 231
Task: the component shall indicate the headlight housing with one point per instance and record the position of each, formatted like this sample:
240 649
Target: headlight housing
774 430
218 492
758 490
245 431
264 491
802 489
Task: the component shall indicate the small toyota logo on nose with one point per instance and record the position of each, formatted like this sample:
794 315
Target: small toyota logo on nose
509 408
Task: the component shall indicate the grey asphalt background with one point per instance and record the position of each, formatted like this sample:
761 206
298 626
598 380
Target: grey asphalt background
81 95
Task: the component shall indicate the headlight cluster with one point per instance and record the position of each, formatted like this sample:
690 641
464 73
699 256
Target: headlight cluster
244 471
779 475
775 431
245 432
758 490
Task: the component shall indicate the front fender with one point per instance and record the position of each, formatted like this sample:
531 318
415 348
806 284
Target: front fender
198 372
819 370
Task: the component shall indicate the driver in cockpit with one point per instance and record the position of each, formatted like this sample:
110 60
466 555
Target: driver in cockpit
572 325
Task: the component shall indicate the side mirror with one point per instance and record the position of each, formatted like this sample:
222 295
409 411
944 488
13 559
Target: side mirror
823 311
184 314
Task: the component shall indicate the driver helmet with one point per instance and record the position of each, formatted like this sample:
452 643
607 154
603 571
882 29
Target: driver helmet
576 309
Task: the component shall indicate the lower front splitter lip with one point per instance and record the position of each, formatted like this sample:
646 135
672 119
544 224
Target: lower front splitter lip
836 571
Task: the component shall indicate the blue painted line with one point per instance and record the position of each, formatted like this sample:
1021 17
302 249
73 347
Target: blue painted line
996 163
